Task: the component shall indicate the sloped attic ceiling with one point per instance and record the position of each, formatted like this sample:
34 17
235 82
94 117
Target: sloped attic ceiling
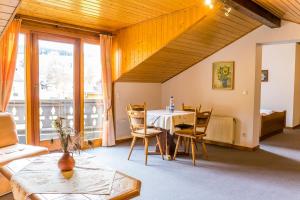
285 9
203 39
208 35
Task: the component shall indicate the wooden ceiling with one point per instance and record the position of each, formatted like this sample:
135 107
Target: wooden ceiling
203 39
106 15
7 12
285 9
137 43
208 35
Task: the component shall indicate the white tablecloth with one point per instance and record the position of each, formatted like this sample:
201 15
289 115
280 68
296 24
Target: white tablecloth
42 176
167 120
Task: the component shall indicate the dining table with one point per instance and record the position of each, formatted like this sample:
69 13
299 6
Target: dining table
167 120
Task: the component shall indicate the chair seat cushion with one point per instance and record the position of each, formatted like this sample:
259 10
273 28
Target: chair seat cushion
185 131
150 131
184 126
199 132
17 151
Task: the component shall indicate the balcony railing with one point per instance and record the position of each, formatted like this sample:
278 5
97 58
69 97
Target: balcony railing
51 109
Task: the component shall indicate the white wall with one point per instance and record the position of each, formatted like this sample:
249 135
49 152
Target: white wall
135 93
193 86
278 93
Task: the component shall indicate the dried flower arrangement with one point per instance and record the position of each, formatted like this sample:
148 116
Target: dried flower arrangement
70 142
69 139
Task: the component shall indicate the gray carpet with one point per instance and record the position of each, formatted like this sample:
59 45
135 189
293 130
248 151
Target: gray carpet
271 173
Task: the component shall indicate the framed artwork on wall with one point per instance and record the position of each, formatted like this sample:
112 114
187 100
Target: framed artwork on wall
223 75
264 75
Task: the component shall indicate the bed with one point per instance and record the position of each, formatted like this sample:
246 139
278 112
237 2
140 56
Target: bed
272 122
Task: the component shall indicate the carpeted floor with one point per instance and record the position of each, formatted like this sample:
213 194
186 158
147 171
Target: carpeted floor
271 173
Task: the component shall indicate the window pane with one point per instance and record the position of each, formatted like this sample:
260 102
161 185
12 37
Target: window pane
56 64
16 104
93 97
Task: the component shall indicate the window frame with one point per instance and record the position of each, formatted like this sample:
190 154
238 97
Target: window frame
33 34
98 141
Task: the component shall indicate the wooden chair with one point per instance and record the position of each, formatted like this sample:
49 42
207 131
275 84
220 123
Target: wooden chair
196 134
189 108
137 115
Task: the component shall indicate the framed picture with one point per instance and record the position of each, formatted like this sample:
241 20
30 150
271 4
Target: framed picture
223 75
264 75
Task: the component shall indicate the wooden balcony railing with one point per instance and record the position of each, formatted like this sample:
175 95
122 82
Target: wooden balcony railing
51 109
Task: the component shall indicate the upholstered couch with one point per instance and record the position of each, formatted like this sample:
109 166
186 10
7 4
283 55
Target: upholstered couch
11 150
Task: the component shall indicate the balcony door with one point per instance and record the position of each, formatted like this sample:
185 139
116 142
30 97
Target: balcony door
54 86
66 82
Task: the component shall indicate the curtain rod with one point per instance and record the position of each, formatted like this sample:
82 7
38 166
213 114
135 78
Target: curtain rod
62 25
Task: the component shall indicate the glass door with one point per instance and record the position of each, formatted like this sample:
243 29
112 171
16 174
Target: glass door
56 88
93 96
66 82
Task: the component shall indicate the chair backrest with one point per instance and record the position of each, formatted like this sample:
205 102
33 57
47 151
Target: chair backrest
137 115
190 108
8 130
202 120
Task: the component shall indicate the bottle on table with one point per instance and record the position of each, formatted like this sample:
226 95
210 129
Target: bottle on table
172 105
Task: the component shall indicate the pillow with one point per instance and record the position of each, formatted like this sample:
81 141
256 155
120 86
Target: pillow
8 130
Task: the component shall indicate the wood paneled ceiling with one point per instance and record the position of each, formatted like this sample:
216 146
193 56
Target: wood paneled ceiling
107 15
205 38
208 35
285 9
137 43
7 12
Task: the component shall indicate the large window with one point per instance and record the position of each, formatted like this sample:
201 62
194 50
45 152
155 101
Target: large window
93 97
60 85
17 99
56 91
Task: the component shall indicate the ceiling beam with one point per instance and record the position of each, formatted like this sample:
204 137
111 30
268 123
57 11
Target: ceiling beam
255 11
26 18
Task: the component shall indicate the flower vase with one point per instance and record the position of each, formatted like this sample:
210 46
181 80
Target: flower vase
224 83
66 162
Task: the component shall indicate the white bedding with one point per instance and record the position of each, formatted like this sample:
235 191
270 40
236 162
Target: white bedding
266 112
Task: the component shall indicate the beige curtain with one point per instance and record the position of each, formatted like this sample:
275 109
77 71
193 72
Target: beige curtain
108 137
8 57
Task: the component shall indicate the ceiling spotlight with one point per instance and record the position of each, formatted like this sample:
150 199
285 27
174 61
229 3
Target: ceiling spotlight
209 4
227 10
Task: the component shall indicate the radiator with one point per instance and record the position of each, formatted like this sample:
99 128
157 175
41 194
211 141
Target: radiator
221 129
